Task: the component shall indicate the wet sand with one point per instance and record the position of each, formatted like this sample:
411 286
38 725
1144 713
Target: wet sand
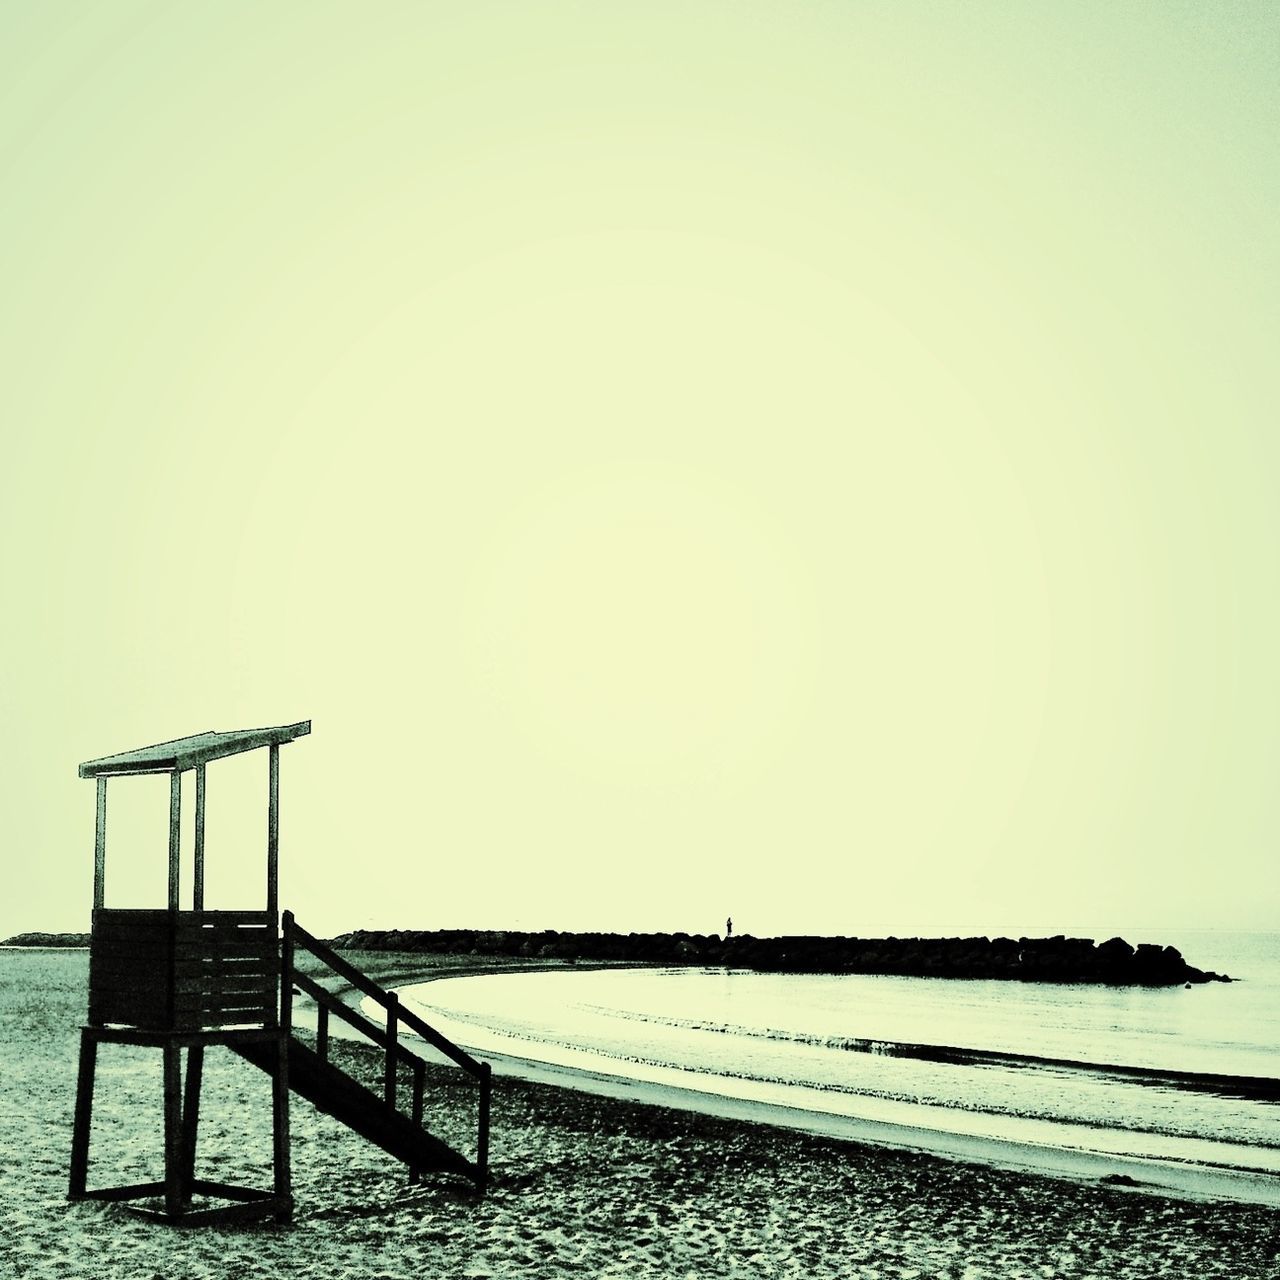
581 1186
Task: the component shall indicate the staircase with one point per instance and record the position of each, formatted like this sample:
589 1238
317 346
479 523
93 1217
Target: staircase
377 1117
335 1093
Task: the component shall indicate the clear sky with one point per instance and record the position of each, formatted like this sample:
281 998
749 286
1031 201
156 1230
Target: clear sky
814 462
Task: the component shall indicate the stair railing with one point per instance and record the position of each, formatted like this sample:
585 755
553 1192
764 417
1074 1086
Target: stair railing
293 937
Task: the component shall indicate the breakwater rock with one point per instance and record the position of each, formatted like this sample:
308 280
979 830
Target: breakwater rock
1056 959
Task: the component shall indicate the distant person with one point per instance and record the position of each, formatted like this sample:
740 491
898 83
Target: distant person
728 927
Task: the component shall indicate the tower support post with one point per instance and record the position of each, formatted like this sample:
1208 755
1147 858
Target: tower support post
173 1146
83 1116
191 1118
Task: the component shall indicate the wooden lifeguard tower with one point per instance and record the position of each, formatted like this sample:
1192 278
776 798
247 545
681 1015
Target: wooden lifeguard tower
177 980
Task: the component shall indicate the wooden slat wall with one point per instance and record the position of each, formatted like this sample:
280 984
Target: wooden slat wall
183 971
130 958
113 916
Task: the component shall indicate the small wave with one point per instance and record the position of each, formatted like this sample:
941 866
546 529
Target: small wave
1252 1088
521 1044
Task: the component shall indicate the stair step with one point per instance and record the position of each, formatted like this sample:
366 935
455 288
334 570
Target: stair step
332 1091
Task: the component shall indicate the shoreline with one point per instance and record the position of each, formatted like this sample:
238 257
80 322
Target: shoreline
1148 1174
1199 1181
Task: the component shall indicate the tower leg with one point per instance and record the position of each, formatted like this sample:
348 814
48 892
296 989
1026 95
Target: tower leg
280 1131
83 1115
191 1118
173 1145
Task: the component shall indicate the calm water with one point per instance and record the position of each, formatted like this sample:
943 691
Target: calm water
802 1040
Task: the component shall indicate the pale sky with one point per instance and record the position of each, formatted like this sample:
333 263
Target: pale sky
814 462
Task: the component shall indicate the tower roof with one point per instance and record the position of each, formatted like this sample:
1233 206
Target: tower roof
198 748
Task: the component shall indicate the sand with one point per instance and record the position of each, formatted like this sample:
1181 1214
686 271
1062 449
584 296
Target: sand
581 1186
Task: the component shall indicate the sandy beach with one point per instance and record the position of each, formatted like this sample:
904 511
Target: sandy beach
581 1185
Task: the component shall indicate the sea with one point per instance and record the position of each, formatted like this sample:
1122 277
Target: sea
1171 1073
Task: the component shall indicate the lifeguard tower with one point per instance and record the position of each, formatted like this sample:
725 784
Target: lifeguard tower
176 980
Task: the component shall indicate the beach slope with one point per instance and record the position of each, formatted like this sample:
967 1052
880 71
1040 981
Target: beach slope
582 1186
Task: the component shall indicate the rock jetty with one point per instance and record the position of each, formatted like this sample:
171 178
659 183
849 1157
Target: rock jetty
47 940
1056 959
